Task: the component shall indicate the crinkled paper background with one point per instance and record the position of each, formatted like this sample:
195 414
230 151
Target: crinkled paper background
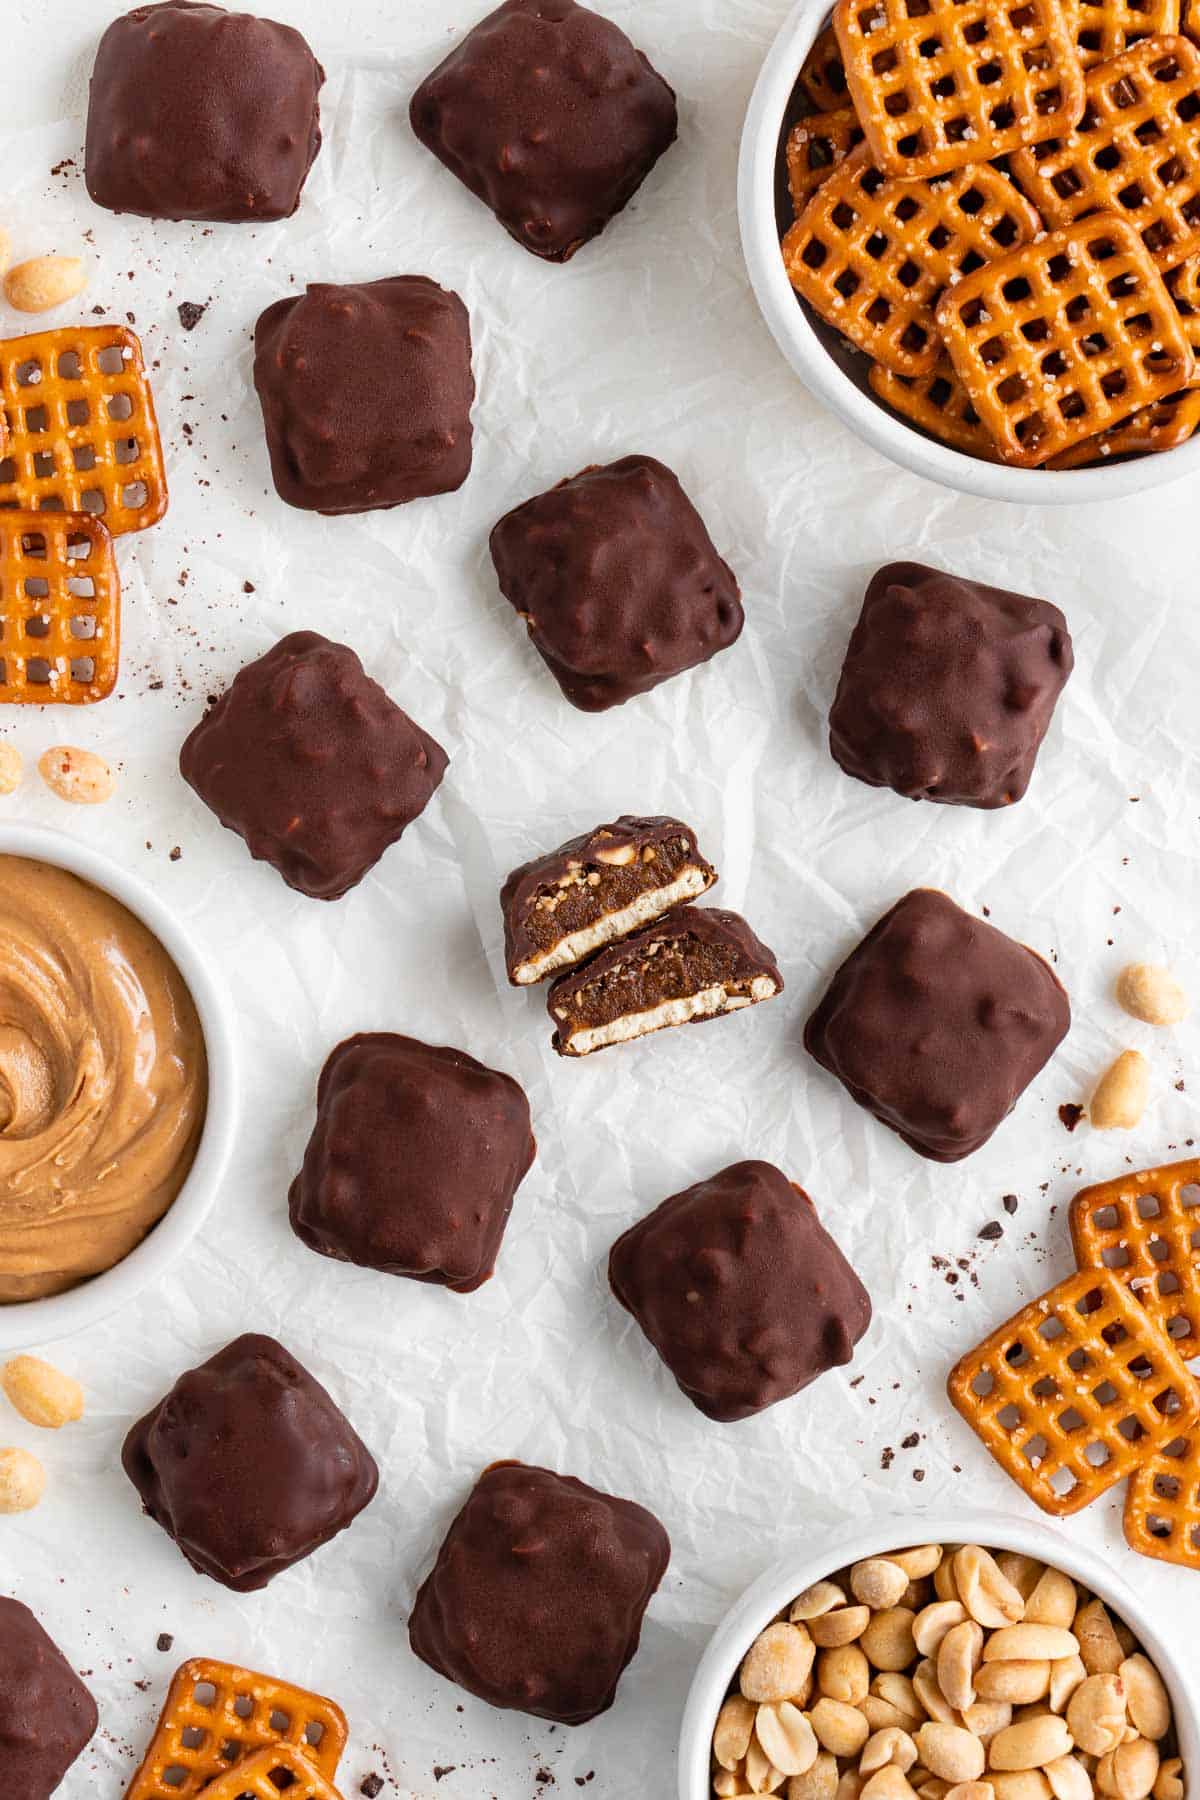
648 341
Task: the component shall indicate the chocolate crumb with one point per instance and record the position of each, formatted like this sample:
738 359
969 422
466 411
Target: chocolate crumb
887 1458
1010 1203
442 1769
545 1777
992 1230
918 1474
165 1641
248 587
372 1785
176 853
190 314
911 1441
1070 1114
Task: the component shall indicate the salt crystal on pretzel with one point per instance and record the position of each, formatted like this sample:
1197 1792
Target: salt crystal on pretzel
60 609
83 436
871 255
1135 151
941 83
1075 1392
1061 339
216 1714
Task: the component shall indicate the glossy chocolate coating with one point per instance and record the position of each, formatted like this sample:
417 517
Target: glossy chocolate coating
611 867
536 1600
550 116
47 1715
199 113
617 580
309 761
414 1160
684 952
741 1290
937 1023
249 1465
366 393
948 687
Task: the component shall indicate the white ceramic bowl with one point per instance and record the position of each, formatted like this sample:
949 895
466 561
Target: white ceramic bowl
825 377
781 1583
41 1321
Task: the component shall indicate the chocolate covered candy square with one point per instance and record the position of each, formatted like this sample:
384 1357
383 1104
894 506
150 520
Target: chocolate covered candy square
937 1023
366 393
535 1602
200 113
948 687
311 763
550 116
741 1290
249 1464
413 1162
617 581
47 1716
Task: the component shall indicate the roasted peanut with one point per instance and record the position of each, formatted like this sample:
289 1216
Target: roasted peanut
850 1785
820 1598
1031 1744
881 1715
945 1584
1145 1697
787 1738
958 1659
42 1394
986 1717
733 1730
1019 1683
970 1790
1031 1643
1121 1093
1168 1783
1023 1571
988 1595
898 1691
919 1562
762 1777
951 1752
1130 1771
843 1625
22 1481
1096 1714
777 1664
1068 1779
933 1622
727 1784
929 1693
888 1783
1019 1784
888 1639
839 1728
1065 1677
11 767
818 1783
79 776
1151 993
1099 1645
44 282
843 1674
878 1583
889 1746
1052 1601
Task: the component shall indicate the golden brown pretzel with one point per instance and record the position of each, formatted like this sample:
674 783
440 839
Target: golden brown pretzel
60 606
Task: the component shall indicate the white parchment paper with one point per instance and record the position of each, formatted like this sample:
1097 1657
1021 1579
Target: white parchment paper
649 341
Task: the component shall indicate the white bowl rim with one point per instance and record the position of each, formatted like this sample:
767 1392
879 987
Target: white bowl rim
789 1576
57 1316
794 334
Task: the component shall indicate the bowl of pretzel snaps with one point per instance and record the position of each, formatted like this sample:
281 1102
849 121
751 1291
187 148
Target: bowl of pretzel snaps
1025 327
976 1655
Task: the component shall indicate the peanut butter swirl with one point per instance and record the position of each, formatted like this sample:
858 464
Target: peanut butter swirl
103 1080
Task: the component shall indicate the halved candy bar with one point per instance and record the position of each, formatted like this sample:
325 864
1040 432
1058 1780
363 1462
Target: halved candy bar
692 965
564 906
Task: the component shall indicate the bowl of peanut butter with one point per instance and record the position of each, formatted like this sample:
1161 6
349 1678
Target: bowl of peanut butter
117 1102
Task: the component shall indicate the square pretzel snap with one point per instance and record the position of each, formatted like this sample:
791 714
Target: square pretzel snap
60 609
82 431
1103 28
1135 151
942 83
816 144
1065 337
1145 1226
937 403
1075 1392
871 255
268 1772
216 1714
1162 1504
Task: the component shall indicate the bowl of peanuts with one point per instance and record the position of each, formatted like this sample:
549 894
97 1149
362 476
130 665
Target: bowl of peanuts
983 1659
924 420
117 1074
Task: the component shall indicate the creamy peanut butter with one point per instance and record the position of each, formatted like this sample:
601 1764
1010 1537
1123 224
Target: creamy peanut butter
103 1080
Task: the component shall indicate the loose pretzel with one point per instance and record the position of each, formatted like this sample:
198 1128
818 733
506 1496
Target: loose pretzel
1103 28
816 145
822 74
941 83
1162 1504
938 404
1075 1392
199 1738
254 1778
82 434
1143 1227
1165 425
1062 339
871 255
1136 150
60 609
